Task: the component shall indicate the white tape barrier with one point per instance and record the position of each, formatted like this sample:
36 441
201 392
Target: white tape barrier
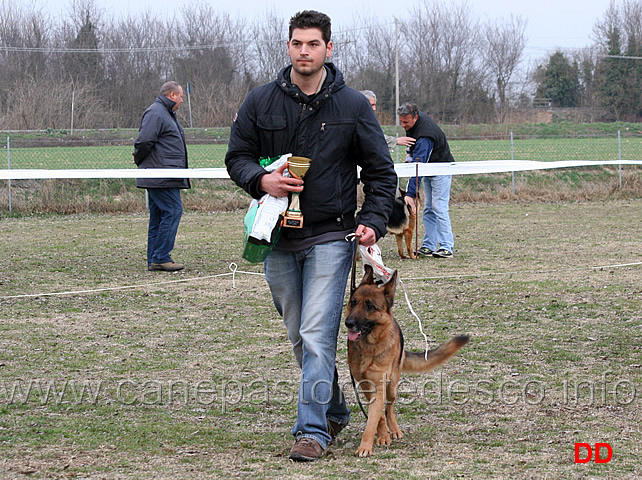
402 169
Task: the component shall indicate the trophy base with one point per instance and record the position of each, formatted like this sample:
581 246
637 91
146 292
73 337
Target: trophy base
292 222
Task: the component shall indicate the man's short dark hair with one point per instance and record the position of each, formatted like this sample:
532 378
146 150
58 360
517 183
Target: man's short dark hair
312 19
408 109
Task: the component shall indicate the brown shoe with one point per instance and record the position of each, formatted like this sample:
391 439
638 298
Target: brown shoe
166 267
334 428
306 449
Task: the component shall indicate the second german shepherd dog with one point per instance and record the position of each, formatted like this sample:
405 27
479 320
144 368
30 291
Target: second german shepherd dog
376 357
402 223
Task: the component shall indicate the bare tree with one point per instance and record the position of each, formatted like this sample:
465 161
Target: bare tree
25 35
369 61
440 50
504 48
267 50
136 64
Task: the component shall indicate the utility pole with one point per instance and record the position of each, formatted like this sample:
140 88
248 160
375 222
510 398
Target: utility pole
397 83
188 87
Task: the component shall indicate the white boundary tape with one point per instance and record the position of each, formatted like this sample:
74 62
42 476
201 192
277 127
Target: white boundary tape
234 270
402 169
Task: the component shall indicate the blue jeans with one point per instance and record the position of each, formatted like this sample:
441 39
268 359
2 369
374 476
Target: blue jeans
165 211
438 232
308 289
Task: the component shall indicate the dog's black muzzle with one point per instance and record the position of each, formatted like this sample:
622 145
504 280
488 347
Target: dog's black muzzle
358 330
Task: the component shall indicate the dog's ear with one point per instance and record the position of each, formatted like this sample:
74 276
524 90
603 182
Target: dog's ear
389 290
368 277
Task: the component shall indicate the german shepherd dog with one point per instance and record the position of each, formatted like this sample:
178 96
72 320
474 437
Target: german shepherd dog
402 223
376 357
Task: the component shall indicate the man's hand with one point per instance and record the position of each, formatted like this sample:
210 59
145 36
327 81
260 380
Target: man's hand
410 201
367 235
279 186
406 141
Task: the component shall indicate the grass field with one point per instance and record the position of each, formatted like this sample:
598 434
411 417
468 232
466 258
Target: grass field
109 371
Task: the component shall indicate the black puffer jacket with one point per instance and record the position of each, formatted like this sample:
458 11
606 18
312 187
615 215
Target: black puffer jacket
161 144
337 129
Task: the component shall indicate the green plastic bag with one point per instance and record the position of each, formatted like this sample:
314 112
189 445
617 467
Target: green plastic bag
255 250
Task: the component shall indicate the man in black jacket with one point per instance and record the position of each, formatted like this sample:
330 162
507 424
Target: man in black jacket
309 111
161 144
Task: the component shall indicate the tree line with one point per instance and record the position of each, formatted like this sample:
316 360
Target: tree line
606 75
99 71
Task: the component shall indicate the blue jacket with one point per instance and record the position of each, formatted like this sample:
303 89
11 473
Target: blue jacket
338 130
161 144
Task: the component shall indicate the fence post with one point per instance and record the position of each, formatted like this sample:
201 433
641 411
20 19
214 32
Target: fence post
619 156
512 157
9 168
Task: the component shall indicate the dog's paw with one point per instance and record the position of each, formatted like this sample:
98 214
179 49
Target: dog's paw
364 451
384 439
397 434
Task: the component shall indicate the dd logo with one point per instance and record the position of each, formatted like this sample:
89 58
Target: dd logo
589 453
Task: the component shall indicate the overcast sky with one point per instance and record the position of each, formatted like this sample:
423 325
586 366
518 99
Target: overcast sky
550 23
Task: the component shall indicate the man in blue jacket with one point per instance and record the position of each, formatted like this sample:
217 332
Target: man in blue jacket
310 112
161 144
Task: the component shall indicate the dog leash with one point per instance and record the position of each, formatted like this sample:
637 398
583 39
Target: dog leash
356 394
353 237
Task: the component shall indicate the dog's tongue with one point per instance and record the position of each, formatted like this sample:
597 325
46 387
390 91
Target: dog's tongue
353 336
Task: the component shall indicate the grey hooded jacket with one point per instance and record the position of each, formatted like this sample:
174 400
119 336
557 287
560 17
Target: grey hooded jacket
161 144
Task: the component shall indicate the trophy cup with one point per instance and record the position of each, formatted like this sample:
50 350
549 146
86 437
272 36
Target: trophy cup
298 167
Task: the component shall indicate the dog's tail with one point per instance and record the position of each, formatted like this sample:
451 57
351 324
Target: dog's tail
417 362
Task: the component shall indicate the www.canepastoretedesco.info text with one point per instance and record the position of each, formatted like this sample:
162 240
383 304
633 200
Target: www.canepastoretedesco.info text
436 390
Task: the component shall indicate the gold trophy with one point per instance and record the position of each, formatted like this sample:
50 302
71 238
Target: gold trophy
298 167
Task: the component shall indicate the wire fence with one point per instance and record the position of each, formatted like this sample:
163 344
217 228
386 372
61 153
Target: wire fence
25 153
92 150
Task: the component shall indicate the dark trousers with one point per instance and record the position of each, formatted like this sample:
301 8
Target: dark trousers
165 211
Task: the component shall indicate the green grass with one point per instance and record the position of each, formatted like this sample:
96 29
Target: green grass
201 156
207 147
213 155
197 378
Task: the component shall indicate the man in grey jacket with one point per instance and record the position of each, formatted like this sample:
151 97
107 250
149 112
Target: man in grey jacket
161 144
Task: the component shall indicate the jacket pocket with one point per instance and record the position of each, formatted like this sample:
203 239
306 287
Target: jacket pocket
173 160
271 122
336 138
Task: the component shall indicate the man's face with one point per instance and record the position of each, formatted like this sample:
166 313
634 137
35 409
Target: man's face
177 97
308 51
408 121
373 103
